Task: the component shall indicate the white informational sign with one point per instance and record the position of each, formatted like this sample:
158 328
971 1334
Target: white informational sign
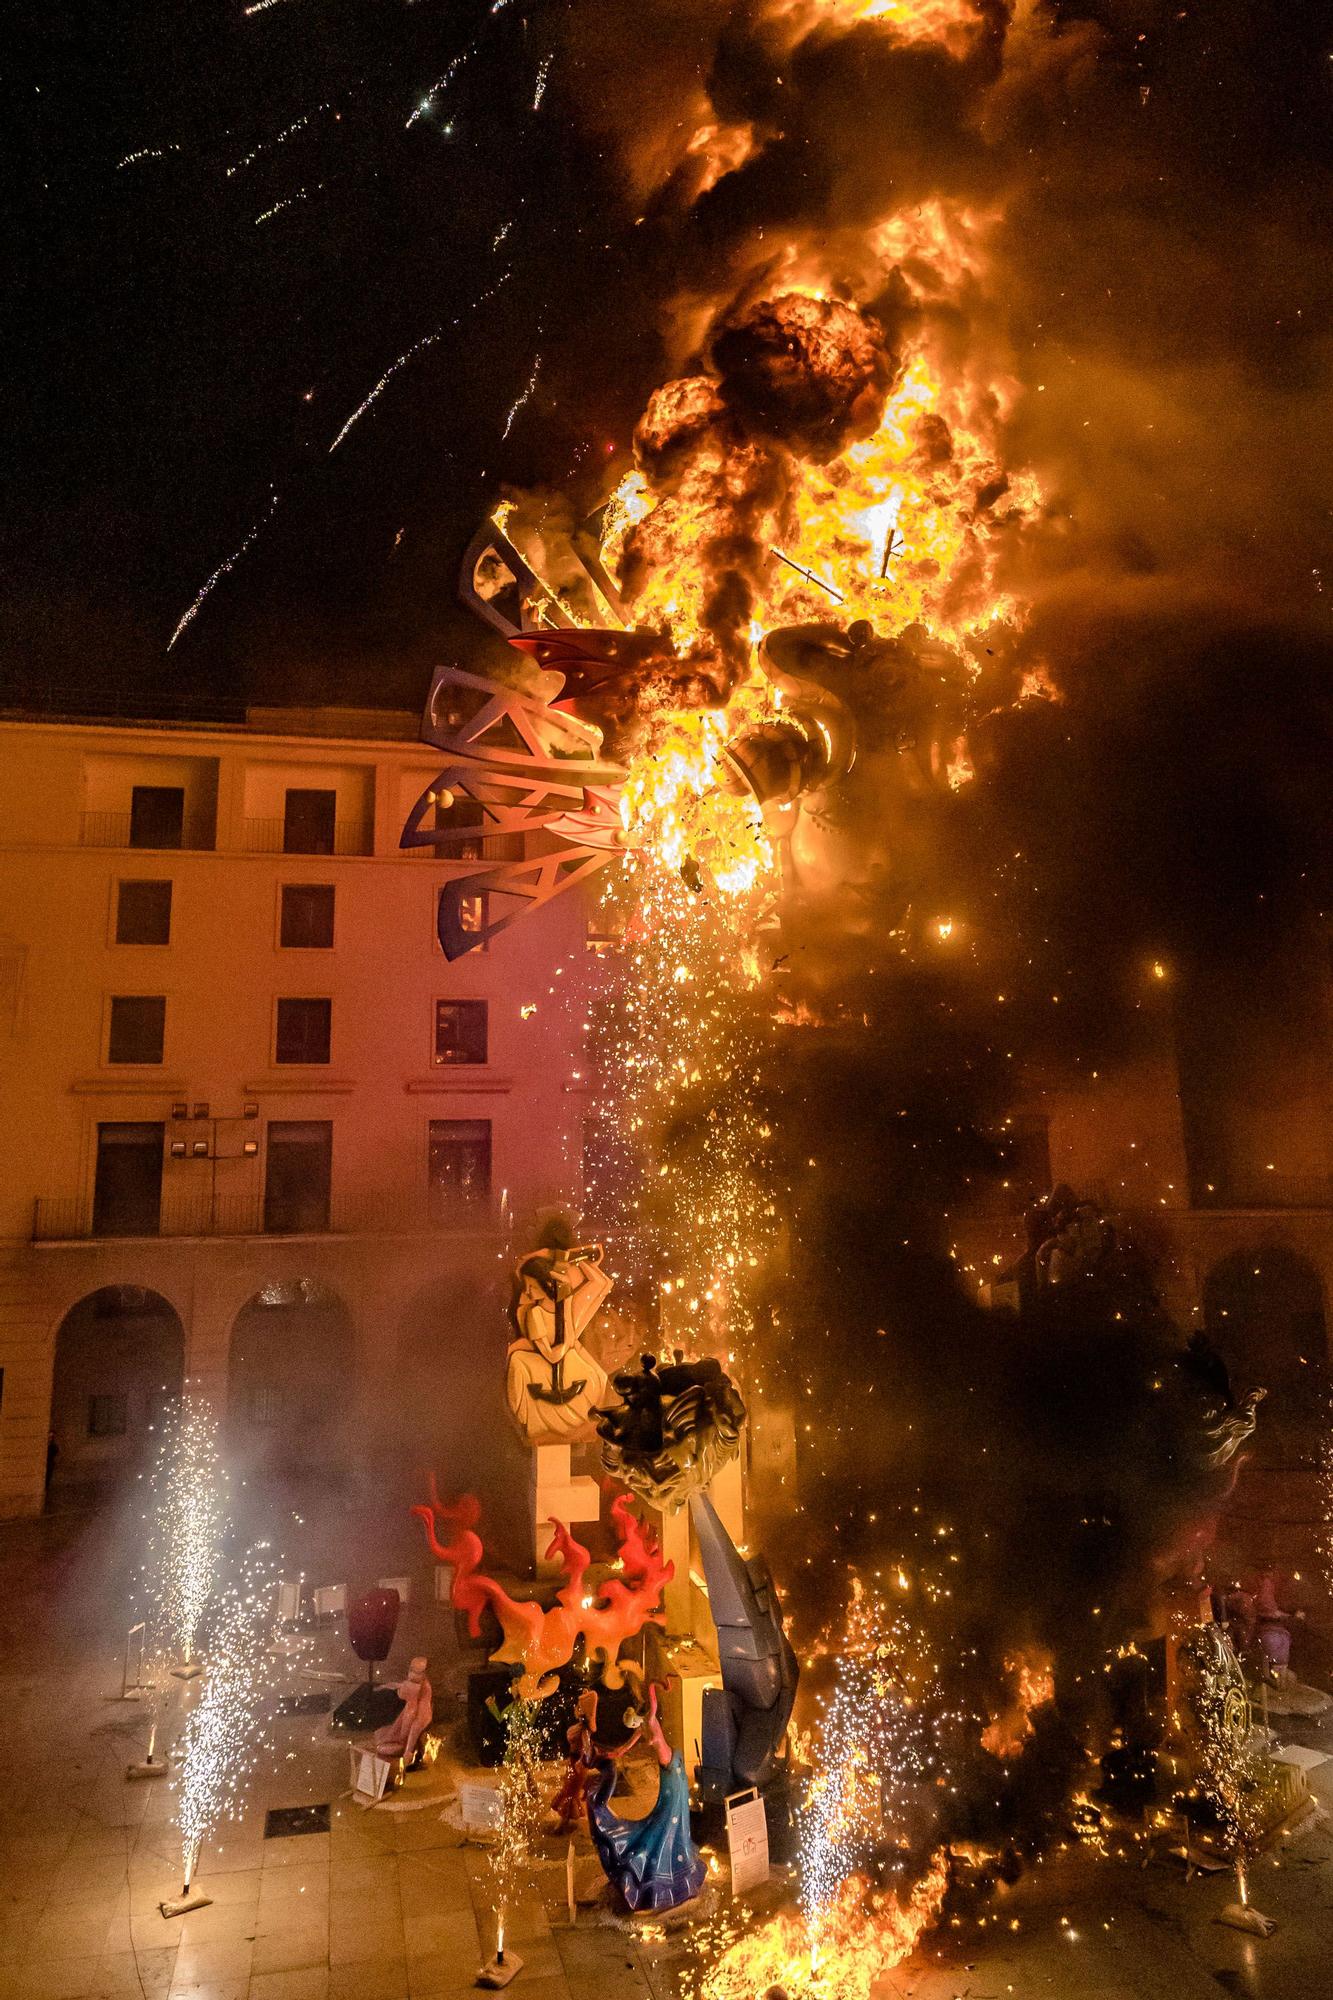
747 1840
478 1806
370 1774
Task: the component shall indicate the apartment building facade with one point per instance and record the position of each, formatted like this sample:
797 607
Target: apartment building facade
257 1131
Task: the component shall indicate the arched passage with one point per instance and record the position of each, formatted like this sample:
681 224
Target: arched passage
120 1354
290 1381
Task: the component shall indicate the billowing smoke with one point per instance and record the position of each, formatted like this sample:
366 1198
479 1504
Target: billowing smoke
1127 622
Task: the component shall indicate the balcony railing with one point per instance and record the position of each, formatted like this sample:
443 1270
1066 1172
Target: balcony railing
71 1219
269 836
113 829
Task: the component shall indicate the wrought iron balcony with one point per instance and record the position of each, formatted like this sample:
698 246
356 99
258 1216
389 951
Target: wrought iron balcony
270 836
77 1219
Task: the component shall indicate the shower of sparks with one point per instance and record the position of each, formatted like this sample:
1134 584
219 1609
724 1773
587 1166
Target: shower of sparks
146 153
523 396
501 233
224 1732
674 1035
187 1513
522 1798
427 340
1326 1494
874 1745
302 194
543 71
223 569
279 138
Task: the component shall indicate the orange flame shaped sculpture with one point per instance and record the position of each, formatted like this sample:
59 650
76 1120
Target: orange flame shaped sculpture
539 1640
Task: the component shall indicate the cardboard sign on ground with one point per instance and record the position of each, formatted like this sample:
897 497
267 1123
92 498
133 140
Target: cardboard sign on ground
747 1841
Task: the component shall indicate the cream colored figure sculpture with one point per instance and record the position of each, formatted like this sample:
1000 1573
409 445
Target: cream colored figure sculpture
552 1383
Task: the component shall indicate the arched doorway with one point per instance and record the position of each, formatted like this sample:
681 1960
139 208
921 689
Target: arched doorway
290 1380
120 1355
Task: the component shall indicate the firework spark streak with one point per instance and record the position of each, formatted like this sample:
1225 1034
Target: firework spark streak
224 1732
261 6
279 139
427 340
223 569
302 194
522 1810
442 83
523 396
146 153
543 71
187 1499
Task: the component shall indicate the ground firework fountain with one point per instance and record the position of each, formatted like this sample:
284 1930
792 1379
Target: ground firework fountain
224 1731
187 1512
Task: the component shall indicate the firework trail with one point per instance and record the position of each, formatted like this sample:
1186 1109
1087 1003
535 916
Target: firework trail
441 84
146 153
223 569
523 396
289 201
543 71
188 1500
427 340
279 139
225 1730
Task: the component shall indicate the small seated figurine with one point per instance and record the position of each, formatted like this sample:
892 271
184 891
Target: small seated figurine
402 1736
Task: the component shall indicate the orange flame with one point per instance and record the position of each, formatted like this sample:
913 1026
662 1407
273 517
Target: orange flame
1033 1684
862 1934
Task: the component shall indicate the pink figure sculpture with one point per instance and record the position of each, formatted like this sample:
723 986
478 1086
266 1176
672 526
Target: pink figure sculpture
400 1737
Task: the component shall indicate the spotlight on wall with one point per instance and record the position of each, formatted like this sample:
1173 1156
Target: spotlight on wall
178 1149
201 1111
180 1110
250 1110
200 1149
249 1147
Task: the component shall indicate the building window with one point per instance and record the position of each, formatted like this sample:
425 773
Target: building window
458 1167
303 1031
266 1405
460 1031
465 817
127 1193
157 815
138 1021
309 821
307 916
143 912
108 1416
298 1176
472 916
605 934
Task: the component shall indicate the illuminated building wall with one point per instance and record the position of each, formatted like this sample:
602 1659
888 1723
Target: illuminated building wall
252 1120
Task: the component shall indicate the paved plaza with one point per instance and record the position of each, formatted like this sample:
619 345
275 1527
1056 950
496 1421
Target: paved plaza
396 1905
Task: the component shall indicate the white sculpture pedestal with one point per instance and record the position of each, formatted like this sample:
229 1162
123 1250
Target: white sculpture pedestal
557 1495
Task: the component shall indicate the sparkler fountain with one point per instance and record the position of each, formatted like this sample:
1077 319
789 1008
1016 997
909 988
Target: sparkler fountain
224 1731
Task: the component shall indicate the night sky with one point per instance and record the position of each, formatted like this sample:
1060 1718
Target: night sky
171 362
